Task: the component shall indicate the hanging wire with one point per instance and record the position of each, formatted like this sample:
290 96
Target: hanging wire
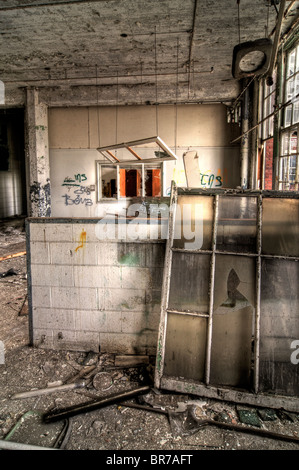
239 30
98 108
156 76
268 13
116 111
176 99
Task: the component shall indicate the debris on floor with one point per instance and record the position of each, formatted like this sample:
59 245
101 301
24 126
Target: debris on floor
116 406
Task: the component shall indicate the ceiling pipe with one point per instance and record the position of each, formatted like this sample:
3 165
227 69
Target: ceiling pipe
190 61
269 80
48 4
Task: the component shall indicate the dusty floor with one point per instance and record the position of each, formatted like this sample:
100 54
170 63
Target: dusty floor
168 422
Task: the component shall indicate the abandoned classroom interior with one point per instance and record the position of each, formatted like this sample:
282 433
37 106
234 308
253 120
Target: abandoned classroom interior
152 147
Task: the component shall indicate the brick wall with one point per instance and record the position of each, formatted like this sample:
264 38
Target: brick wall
92 294
268 164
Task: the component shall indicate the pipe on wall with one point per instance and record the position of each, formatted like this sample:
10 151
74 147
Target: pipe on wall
245 142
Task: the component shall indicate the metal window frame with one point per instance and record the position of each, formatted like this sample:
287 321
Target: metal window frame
285 84
205 389
282 181
106 151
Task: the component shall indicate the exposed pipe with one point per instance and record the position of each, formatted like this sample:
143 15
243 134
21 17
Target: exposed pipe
94 405
192 44
245 142
48 4
7 445
276 42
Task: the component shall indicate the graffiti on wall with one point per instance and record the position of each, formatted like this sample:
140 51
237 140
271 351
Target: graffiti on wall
206 178
77 192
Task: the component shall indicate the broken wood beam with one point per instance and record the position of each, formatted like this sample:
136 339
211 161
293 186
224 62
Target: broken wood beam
246 429
14 255
94 405
46 391
131 361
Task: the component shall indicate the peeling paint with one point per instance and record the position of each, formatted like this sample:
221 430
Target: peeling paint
40 197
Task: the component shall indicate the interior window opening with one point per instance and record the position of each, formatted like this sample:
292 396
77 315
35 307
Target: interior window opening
118 181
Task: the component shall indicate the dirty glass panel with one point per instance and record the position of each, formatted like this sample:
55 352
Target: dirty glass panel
280 229
279 344
233 321
236 231
185 346
194 223
109 181
189 286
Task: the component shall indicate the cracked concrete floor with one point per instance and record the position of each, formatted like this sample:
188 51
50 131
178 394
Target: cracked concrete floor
111 428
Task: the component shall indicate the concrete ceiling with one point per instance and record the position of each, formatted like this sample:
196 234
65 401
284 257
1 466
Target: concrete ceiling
129 51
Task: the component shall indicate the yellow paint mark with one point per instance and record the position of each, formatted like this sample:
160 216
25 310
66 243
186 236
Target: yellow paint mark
82 240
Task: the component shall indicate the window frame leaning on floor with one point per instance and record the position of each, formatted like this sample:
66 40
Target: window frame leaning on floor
264 253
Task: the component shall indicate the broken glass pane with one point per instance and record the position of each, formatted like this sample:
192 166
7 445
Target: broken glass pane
233 321
280 228
189 285
185 346
194 223
236 231
279 345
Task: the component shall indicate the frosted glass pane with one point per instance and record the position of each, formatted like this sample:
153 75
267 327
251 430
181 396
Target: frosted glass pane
185 346
189 284
194 222
233 320
236 229
280 229
279 327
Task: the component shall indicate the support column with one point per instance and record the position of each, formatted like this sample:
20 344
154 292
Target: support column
37 156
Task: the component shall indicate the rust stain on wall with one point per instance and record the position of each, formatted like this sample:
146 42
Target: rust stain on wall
82 240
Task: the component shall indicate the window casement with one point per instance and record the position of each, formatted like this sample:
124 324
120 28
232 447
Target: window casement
291 88
288 171
288 160
128 181
267 108
132 169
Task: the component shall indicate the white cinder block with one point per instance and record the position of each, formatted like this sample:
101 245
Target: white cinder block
107 253
39 253
50 232
89 340
43 338
134 322
41 296
51 275
84 231
122 343
132 254
74 298
50 319
121 299
90 320
133 277
71 253
97 276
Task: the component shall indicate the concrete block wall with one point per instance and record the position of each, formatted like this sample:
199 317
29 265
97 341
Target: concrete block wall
90 294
